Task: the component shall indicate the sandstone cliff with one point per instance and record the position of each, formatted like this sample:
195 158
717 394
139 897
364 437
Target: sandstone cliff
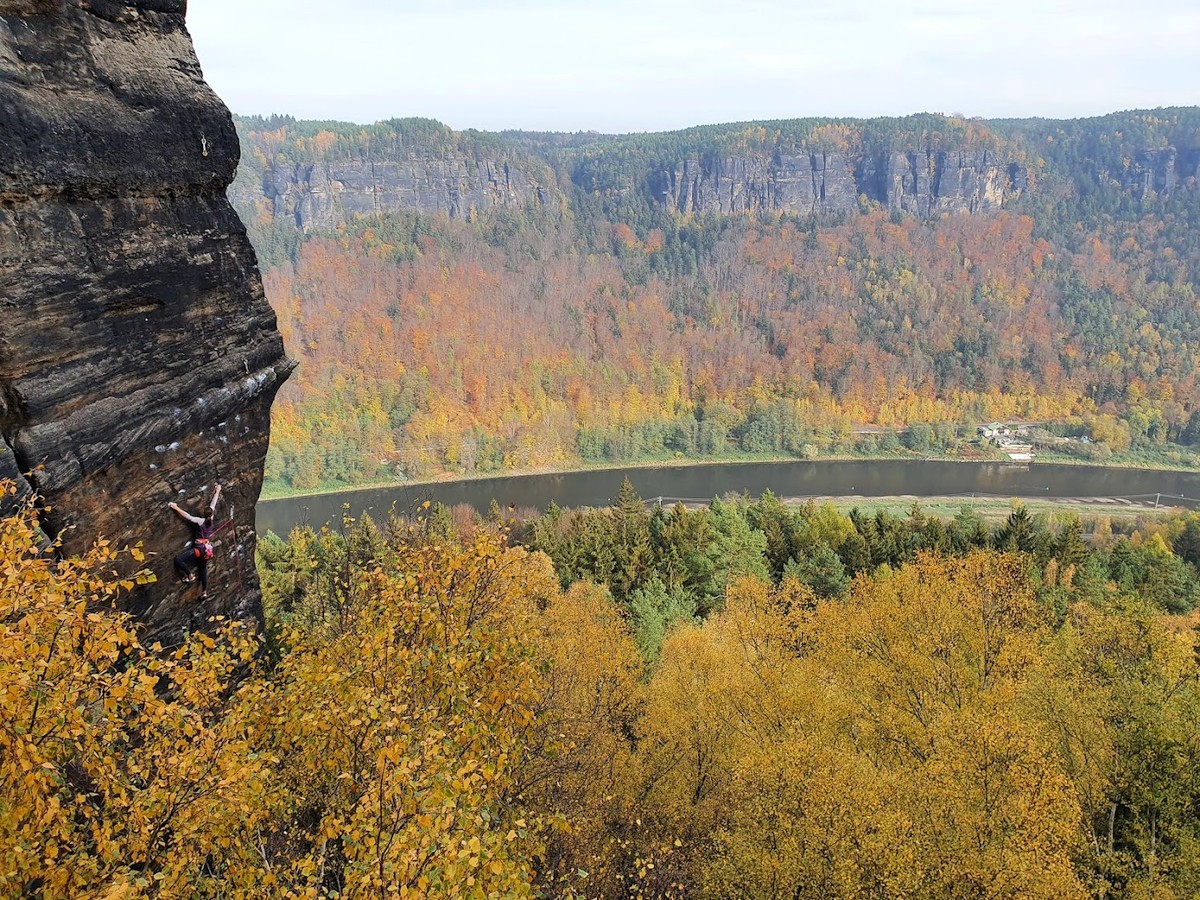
1162 171
138 356
924 183
315 176
736 185
322 194
295 178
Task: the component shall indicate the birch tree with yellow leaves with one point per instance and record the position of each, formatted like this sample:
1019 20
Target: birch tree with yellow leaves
120 772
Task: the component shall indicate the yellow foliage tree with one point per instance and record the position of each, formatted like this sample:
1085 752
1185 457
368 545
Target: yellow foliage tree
399 725
876 746
119 774
582 768
378 758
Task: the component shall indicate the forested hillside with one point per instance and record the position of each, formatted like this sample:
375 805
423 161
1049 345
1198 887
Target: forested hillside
462 301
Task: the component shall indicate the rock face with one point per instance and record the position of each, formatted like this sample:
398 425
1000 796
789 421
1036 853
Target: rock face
324 194
934 182
926 166
1162 171
138 356
737 185
926 183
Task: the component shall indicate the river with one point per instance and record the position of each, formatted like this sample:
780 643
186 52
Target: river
698 483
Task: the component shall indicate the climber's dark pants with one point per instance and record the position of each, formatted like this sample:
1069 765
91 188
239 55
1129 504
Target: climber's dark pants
187 560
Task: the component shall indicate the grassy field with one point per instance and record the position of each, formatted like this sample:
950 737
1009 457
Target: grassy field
996 509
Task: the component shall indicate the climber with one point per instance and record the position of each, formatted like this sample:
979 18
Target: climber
199 550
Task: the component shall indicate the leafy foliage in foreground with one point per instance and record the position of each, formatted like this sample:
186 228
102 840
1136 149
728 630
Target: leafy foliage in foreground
957 721
436 716
376 758
930 735
120 767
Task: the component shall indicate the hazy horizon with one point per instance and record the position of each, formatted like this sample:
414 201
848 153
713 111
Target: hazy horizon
540 65
731 122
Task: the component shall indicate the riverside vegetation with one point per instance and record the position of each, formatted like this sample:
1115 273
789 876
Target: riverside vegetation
741 700
588 322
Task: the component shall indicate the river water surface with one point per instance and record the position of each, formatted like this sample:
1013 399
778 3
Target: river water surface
698 483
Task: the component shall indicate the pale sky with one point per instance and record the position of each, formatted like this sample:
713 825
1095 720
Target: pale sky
651 65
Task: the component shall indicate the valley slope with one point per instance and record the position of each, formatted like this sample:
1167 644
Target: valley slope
468 301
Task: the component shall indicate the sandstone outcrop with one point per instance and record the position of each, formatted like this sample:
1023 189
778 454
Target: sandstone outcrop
1162 171
138 356
923 183
934 182
323 194
802 183
919 166
318 176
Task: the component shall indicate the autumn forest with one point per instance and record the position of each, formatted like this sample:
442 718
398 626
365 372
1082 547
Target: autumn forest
587 322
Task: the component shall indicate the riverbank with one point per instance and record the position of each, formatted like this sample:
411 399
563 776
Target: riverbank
277 492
